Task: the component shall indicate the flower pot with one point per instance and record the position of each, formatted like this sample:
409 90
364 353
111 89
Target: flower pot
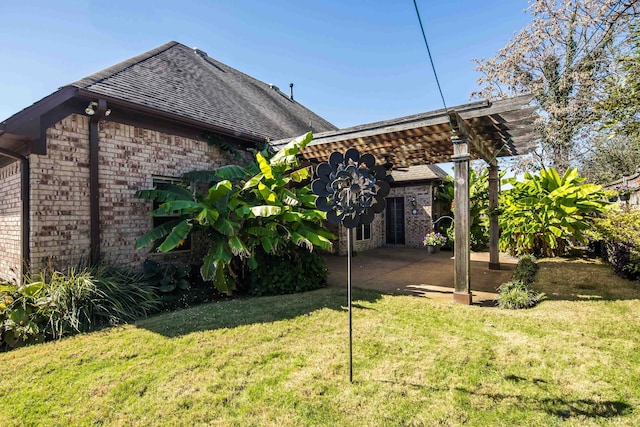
625 196
431 249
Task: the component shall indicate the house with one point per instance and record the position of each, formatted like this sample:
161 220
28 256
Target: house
71 163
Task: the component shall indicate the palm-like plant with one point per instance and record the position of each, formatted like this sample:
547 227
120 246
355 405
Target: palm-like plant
265 204
542 213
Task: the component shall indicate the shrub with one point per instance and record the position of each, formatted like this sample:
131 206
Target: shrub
620 231
517 295
296 270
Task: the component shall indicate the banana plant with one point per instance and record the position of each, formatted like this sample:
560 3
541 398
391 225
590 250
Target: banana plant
543 213
267 204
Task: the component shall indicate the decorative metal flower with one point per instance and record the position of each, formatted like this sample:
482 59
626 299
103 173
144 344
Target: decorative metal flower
351 188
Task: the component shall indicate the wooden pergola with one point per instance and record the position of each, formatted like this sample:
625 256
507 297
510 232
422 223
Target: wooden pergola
481 130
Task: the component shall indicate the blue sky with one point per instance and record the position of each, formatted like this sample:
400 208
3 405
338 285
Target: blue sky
352 61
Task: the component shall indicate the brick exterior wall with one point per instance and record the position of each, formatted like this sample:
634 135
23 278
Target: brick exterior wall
416 226
129 158
10 222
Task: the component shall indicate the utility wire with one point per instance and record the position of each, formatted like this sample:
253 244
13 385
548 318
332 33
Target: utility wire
433 67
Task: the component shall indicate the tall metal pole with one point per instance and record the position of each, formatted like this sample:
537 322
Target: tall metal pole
349 231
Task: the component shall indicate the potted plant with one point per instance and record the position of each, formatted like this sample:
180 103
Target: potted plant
433 241
624 192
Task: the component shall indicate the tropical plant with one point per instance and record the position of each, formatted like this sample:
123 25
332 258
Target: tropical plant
544 212
268 204
478 207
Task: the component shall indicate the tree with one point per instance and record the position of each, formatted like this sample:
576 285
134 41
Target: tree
616 150
269 205
562 59
612 157
620 108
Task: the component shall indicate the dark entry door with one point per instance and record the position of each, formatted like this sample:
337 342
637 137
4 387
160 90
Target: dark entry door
395 221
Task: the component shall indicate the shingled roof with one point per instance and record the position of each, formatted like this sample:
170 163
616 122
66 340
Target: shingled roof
182 81
418 173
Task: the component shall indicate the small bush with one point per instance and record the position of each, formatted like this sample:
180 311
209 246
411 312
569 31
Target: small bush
620 232
516 295
298 270
526 270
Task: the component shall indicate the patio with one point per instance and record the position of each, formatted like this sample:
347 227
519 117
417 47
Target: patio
407 271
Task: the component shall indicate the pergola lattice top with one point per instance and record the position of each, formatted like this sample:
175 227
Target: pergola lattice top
494 129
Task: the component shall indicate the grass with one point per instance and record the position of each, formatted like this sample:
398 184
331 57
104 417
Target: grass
573 360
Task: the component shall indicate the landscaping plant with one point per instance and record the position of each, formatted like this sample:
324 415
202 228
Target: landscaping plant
620 230
56 304
543 213
267 204
517 293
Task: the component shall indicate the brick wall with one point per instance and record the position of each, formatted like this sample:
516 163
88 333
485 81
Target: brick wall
10 219
129 157
416 226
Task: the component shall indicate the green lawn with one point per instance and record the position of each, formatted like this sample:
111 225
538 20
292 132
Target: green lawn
573 360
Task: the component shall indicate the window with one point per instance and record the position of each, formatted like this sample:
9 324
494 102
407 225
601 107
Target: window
161 183
363 232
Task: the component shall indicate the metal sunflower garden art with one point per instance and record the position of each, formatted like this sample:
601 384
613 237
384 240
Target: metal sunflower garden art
351 189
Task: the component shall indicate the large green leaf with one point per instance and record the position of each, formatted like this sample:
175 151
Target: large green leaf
177 236
290 150
222 281
170 192
218 253
226 227
177 207
265 167
218 191
207 216
266 194
156 233
201 176
232 172
238 248
266 210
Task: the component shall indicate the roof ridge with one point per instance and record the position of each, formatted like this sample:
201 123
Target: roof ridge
122 66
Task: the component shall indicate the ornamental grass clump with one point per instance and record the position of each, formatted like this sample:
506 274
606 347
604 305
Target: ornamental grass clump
55 304
517 293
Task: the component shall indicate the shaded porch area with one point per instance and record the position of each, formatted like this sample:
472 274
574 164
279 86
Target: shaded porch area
409 271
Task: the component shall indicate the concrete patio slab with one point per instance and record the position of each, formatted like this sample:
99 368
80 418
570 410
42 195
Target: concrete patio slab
416 272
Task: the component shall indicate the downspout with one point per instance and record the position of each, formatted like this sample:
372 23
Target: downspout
25 195
94 192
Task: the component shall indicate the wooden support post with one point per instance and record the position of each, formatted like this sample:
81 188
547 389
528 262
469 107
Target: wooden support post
494 229
462 287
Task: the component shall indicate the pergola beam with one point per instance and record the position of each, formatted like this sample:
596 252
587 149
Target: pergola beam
467 133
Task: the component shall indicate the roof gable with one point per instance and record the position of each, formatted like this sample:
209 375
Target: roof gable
178 80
